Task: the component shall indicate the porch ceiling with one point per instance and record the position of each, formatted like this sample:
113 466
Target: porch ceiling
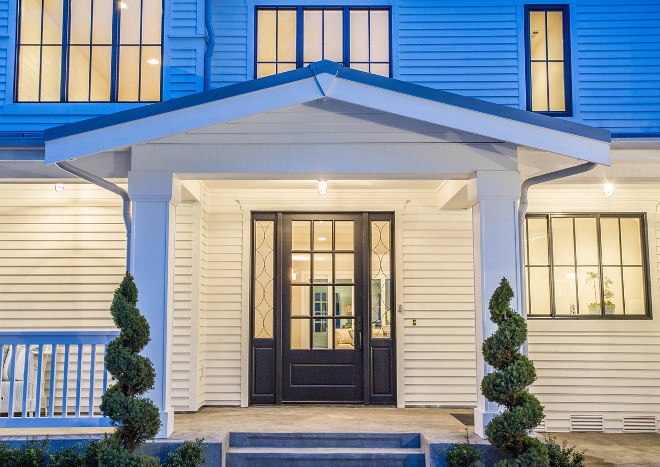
289 108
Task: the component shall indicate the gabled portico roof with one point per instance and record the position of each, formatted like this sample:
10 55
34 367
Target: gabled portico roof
326 79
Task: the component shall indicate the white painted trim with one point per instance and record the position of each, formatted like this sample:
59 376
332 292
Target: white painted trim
398 302
246 293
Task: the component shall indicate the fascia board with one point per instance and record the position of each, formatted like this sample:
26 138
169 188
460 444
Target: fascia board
473 121
185 119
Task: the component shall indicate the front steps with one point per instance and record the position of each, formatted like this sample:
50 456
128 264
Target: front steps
324 449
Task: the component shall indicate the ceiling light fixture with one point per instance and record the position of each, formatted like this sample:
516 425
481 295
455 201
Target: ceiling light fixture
59 187
153 61
123 6
608 188
323 187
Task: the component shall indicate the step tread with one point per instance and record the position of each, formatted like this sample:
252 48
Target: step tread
328 450
329 440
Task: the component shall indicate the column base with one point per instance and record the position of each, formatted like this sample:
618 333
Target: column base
481 421
167 423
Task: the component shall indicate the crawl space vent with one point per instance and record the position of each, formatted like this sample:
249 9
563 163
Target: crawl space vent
586 423
540 427
639 424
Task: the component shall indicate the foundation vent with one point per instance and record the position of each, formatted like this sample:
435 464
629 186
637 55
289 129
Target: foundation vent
639 424
586 423
540 428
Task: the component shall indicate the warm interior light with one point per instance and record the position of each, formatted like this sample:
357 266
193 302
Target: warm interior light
321 239
123 6
59 187
293 275
153 61
608 188
323 187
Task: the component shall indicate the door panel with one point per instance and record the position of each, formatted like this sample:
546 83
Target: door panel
322 321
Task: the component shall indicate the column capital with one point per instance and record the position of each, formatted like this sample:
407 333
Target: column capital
154 186
494 184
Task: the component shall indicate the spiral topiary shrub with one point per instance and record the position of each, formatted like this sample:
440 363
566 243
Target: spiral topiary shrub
136 418
507 385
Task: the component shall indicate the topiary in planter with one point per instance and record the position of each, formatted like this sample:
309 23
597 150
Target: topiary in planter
507 385
136 418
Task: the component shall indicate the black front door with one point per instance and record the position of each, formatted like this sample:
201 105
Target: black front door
322 308
322 313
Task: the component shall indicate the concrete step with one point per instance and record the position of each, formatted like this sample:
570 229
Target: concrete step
324 457
326 440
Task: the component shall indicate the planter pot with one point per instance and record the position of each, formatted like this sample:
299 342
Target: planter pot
595 309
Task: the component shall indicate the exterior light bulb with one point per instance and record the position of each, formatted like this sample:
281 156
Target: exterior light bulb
59 187
123 5
608 189
323 187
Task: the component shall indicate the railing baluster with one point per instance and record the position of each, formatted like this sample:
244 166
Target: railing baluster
79 378
66 379
37 403
51 392
105 370
26 367
91 382
12 371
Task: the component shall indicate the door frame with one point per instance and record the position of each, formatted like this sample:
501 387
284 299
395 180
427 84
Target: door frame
275 397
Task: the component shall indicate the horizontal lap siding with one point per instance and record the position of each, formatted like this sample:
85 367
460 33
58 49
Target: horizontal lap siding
619 64
230 56
222 323
598 367
61 256
438 292
182 357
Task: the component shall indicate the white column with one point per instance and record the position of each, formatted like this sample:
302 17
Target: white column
155 196
493 197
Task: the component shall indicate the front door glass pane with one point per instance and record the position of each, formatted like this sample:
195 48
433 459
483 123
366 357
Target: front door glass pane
300 334
264 236
300 305
323 267
323 235
322 297
344 265
321 333
344 296
380 279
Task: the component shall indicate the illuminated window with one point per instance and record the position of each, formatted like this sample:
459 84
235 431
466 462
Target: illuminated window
89 51
289 38
586 265
548 63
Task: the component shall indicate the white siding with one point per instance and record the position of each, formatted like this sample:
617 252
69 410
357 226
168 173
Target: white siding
598 368
61 256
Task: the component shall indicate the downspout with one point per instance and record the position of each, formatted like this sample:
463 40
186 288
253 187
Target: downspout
522 209
80 173
210 44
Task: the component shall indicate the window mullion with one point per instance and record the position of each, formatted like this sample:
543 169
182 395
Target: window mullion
346 37
64 91
114 60
41 50
552 268
300 33
600 268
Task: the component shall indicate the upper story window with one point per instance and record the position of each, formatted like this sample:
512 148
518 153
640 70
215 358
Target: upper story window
88 51
290 37
586 265
548 60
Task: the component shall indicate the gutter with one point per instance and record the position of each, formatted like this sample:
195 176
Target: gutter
80 173
210 44
522 209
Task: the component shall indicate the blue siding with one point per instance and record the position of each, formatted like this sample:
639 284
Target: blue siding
229 63
618 64
469 47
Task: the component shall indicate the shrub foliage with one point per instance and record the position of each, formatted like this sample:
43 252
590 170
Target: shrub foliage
507 385
462 454
136 418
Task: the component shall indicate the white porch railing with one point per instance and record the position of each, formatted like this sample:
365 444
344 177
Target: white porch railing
69 394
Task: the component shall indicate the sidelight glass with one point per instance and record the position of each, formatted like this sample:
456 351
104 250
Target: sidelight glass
380 306
263 285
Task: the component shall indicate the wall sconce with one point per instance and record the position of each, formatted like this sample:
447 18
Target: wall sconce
59 187
323 187
608 188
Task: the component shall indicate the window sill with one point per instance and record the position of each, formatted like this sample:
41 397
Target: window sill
594 317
